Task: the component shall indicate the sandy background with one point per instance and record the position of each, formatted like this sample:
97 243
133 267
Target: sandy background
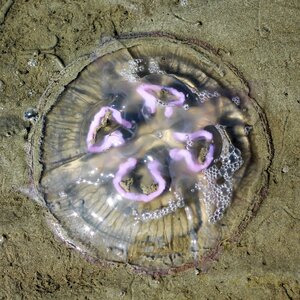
261 38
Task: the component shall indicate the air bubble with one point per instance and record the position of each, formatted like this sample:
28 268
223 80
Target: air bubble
159 134
186 107
236 100
247 129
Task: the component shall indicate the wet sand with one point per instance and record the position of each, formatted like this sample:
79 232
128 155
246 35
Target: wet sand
260 38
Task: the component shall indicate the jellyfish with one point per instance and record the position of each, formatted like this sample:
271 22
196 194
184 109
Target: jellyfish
141 153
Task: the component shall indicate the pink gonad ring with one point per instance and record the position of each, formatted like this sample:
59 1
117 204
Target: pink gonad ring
114 139
186 155
148 91
129 165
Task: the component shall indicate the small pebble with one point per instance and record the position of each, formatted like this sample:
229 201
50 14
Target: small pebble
2 84
2 239
159 134
285 169
30 93
183 2
31 115
32 62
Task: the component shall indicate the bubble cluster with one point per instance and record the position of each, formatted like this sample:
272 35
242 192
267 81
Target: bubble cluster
141 148
218 184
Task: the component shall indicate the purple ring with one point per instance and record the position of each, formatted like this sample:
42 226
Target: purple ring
183 137
178 154
126 167
113 139
151 102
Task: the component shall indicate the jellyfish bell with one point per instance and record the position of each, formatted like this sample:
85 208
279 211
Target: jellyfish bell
140 153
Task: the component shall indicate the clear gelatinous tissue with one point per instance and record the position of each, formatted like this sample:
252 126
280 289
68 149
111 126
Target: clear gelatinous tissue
143 153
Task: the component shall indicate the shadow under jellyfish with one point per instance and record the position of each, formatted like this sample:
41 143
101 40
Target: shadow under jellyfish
142 153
